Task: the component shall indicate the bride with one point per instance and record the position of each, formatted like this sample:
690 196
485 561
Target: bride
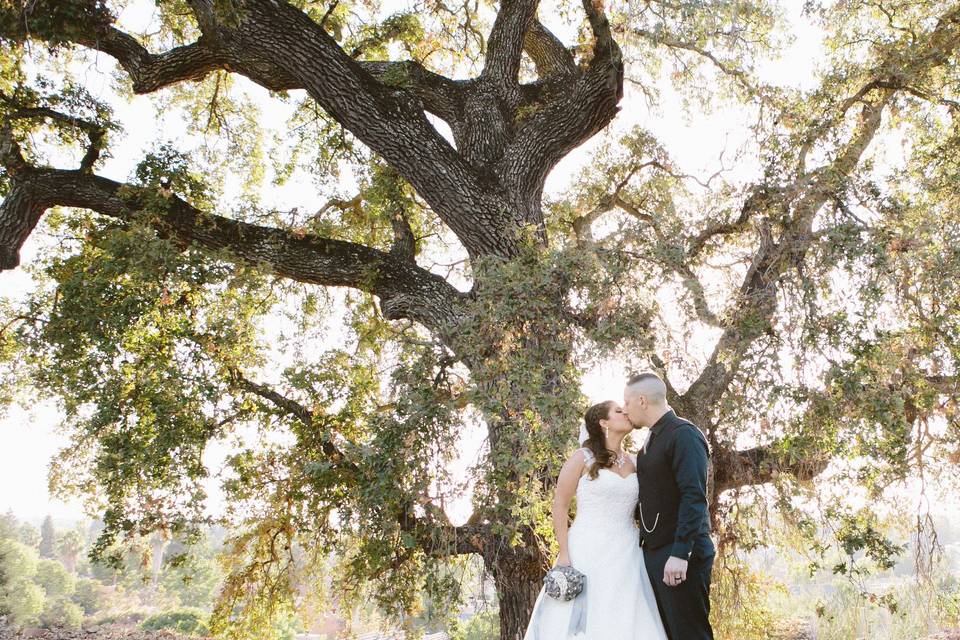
603 542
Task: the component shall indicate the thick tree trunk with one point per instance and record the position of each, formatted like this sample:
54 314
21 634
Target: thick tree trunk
517 574
546 399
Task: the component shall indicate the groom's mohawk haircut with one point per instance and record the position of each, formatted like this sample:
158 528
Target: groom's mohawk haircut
650 385
640 377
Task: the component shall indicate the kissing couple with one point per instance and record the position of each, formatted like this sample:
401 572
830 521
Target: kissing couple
640 541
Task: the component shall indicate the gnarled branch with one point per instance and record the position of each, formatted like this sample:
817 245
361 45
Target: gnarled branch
585 105
89 23
294 408
506 41
797 204
734 469
440 95
405 289
278 46
548 53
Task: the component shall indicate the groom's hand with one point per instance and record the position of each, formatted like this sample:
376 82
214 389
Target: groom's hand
675 571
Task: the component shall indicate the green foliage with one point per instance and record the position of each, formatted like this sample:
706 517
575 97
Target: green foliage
84 121
482 626
29 535
741 601
19 561
858 533
61 612
171 169
188 621
372 40
192 578
59 22
55 580
90 595
285 628
48 538
392 455
8 525
228 122
129 337
35 590
24 601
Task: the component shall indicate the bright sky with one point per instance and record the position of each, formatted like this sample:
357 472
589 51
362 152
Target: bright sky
696 145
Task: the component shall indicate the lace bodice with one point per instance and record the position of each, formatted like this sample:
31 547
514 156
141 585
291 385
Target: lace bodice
606 502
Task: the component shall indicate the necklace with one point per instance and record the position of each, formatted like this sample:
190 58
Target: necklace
621 460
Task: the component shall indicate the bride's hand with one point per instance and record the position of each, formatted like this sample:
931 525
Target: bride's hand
563 560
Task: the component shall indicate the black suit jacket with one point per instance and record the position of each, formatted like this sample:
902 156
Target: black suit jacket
672 506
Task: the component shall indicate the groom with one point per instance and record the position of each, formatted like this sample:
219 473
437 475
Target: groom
672 509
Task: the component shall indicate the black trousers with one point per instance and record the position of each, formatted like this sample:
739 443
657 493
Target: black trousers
685 609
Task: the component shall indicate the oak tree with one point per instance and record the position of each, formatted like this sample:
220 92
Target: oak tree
824 285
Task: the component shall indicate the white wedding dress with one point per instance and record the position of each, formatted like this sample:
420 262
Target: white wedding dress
604 545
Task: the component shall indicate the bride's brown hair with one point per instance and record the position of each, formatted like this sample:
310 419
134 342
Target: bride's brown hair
596 442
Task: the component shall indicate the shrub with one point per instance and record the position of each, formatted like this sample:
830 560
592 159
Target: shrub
483 626
61 613
54 578
741 599
189 621
24 602
18 561
90 595
125 618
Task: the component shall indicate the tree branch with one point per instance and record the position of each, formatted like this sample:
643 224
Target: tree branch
506 41
604 46
433 533
736 73
750 315
752 311
95 131
758 200
279 47
89 23
691 282
404 242
440 95
735 469
576 110
405 289
761 464
391 122
294 408
673 397
549 55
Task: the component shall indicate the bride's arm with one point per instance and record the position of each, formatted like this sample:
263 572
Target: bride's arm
566 488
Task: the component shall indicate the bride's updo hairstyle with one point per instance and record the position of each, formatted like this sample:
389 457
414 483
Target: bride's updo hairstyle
596 442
